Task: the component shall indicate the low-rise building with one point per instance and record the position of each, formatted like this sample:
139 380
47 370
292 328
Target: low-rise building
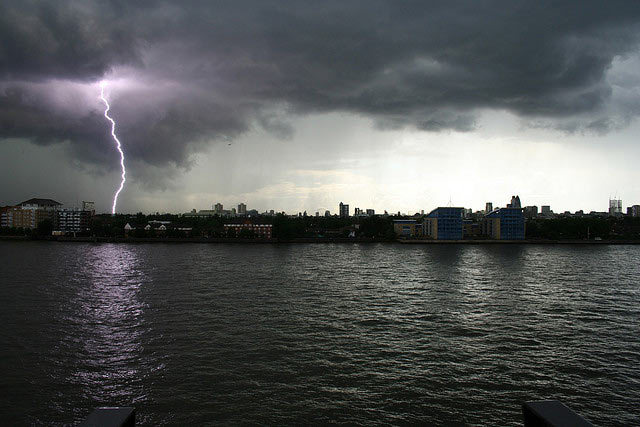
407 228
263 231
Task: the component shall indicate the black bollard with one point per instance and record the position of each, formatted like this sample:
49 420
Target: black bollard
551 413
111 417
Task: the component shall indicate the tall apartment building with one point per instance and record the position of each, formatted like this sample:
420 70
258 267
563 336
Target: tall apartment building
242 209
488 207
344 210
218 208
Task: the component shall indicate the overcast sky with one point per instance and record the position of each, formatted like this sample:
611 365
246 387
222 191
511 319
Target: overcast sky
300 105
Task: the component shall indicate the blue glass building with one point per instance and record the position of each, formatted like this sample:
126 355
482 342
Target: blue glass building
444 223
505 224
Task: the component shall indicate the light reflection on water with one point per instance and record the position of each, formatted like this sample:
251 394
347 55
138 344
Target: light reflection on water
103 328
110 314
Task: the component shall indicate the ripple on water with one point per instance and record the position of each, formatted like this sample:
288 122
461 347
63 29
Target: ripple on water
296 334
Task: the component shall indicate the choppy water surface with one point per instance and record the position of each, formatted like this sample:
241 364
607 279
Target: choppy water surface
293 334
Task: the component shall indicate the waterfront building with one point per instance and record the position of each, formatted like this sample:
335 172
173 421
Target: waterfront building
40 204
344 210
128 229
27 218
30 213
471 229
407 228
242 209
504 224
263 231
444 223
4 213
72 221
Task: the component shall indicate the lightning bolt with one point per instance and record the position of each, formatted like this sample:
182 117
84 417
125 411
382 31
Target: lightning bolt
118 146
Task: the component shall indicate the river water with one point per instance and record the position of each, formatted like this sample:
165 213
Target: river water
316 333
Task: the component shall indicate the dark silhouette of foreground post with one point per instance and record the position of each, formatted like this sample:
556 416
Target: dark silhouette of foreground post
111 417
551 413
544 413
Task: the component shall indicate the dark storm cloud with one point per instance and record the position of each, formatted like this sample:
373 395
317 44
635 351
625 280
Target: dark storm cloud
211 71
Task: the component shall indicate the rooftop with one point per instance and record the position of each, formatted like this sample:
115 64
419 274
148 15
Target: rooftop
41 202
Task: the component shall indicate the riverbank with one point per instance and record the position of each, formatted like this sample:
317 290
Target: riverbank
519 242
315 240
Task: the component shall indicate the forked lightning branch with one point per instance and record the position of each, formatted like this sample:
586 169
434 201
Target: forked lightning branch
118 146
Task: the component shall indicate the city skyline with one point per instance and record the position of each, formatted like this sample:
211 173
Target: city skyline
297 107
242 208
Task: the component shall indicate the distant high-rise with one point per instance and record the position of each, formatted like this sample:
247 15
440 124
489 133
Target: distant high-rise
242 209
218 208
545 210
515 202
344 210
371 212
615 207
327 213
488 207
530 211
89 206
633 210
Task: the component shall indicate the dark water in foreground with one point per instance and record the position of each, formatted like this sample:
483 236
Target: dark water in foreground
298 334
